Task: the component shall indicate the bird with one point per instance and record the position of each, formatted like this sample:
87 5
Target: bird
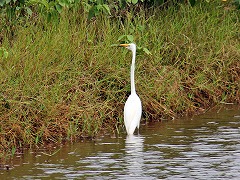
133 105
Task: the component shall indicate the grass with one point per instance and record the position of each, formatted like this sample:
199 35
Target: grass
64 80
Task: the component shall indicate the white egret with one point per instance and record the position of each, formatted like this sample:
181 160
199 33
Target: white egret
133 105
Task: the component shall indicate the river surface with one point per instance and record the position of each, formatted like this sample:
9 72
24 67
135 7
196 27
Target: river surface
203 147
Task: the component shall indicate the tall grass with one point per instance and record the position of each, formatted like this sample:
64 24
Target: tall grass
64 80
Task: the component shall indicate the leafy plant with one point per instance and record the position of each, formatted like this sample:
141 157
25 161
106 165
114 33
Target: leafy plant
14 8
237 3
3 53
126 38
130 39
95 7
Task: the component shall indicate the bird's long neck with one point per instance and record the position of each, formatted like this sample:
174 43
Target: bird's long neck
133 90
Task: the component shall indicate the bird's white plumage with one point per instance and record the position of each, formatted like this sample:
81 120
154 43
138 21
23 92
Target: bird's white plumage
132 113
133 105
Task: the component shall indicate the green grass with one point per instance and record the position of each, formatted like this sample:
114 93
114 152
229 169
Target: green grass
64 80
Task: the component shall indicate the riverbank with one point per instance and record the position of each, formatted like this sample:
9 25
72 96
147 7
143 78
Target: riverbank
65 81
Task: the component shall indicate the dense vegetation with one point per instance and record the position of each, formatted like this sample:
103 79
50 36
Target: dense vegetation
62 77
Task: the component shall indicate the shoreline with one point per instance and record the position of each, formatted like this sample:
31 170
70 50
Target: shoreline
64 80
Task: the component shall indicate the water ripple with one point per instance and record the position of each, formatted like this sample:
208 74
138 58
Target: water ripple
204 148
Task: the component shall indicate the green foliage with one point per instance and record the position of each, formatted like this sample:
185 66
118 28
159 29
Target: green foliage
126 38
64 81
237 4
96 7
130 39
14 9
12 12
52 9
3 53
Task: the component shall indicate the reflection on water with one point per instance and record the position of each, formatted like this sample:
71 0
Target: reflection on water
118 162
205 147
134 157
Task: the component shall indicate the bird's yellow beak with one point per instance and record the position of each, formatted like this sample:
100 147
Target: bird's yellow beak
124 45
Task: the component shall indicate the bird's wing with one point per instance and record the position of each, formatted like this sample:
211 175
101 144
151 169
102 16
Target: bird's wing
132 113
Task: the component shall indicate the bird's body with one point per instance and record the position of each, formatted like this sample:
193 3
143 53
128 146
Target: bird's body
133 105
132 113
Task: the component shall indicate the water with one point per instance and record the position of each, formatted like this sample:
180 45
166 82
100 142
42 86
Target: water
203 147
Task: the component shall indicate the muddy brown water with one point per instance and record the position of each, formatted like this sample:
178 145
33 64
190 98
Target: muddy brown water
202 147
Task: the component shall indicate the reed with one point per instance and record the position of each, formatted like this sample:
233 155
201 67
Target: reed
64 80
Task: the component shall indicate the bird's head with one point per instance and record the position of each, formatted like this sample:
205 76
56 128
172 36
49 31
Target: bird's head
130 46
